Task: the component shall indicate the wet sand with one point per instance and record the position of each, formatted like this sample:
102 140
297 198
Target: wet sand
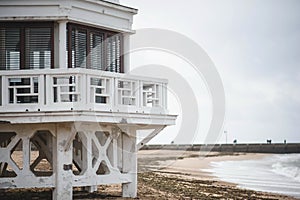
190 163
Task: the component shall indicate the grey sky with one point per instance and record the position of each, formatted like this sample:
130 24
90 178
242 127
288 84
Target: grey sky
255 45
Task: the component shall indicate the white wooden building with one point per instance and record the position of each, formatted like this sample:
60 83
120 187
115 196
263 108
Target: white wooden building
69 110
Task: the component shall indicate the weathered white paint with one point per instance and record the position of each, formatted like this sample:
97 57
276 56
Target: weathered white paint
88 116
141 89
104 133
155 132
130 163
25 177
62 158
62 43
60 153
90 12
126 56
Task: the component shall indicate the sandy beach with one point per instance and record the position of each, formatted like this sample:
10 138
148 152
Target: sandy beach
188 162
167 174
189 169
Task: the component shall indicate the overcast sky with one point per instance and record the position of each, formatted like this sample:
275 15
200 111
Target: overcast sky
255 46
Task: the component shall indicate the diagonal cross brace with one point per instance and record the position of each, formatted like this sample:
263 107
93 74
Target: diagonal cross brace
150 136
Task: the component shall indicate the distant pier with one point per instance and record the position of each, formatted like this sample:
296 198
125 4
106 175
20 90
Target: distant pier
278 148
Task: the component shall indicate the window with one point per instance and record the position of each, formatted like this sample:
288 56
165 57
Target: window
92 48
26 46
113 45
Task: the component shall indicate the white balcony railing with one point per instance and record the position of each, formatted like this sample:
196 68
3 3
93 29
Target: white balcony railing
80 89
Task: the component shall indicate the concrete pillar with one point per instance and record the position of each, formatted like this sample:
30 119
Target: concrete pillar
87 158
91 189
130 163
62 163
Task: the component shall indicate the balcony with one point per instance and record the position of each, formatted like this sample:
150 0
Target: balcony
80 92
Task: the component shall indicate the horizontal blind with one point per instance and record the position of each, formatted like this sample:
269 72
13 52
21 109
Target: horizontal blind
94 48
10 48
96 51
26 45
79 48
37 48
113 53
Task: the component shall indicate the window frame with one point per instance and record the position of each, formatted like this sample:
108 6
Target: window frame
23 26
89 30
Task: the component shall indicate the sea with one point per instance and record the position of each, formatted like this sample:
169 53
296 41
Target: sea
276 173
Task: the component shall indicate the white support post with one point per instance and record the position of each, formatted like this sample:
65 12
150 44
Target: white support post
165 96
112 92
89 98
49 90
4 90
62 164
26 154
126 49
116 91
62 43
41 90
130 163
139 94
83 90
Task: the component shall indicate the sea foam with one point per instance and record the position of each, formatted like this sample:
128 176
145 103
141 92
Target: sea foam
273 173
287 165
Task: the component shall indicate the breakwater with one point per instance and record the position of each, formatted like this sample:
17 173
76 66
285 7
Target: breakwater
247 148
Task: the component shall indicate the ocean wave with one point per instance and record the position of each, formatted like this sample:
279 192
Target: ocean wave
273 173
287 165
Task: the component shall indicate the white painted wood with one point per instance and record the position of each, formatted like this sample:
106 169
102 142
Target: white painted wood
90 12
121 116
26 155
80 71
63 184
4 91
91 189
123 102
62 43
41 87
124 151
126 50
165 95
25 178
87 159
130 163
88 116
149 137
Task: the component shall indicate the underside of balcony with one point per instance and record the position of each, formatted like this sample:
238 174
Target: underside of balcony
87 116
